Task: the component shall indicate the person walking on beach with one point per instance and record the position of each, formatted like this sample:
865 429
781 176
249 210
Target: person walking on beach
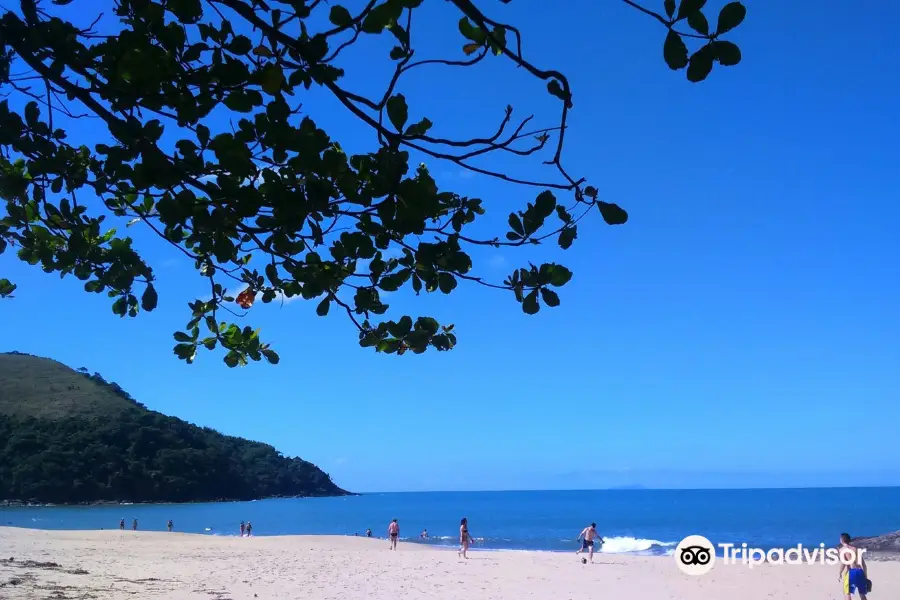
122 524
854 571
394 533
586 537
249 528
134 525
170 525
464 538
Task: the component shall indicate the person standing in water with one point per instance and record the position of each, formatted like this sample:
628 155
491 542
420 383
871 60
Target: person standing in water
249 528
464 538
368 533
854 572
424 535
243 527
134 525
122 524
586 537
394 533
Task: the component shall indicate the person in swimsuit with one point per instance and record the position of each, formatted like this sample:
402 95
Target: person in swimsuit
586 537
464 538
424 534
249 528
122 524
170 524
394 533
854 572
134 525
243 527
368 533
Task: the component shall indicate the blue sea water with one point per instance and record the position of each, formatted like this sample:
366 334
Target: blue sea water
631 521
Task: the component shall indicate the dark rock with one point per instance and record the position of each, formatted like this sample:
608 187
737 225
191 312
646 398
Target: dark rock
889 543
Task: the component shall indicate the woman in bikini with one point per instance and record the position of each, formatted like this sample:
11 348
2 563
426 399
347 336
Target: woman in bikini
464 537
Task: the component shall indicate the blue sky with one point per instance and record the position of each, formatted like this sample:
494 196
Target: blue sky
741 330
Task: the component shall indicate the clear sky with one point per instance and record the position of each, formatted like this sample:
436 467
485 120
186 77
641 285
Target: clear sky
741 330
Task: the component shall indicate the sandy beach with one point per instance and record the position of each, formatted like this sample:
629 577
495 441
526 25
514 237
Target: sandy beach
117 565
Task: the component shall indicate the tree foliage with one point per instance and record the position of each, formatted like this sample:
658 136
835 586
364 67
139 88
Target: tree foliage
270 201
136 455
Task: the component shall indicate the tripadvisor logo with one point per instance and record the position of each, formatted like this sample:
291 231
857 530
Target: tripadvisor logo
696 555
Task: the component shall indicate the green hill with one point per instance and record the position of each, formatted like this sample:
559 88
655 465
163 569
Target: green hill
69 436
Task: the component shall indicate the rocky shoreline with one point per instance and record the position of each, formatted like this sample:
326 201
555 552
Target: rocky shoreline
886 544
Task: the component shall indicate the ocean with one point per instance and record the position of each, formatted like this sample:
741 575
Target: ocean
631 521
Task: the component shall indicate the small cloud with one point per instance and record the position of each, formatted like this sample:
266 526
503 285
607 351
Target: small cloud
498 261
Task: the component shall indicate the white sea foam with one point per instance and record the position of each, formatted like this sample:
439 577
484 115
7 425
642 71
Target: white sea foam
624 544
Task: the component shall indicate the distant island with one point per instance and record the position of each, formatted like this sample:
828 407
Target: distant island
71 437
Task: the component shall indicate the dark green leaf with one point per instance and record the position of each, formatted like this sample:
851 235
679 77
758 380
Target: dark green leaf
515 223
688 7
674 51
567 236
530 305
272 78
232 359
181 336
670 7
340 16
545 203
6 288
149 298
731 15
381 16
549 297
613 214
727 54
271 356
471 32
697 21
397 111
701 64
397 53
560 276
446 282
420 128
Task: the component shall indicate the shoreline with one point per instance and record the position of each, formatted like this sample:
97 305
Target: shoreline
408 543
151 565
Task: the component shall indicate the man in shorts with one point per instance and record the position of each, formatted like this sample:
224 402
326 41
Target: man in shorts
854 572
394 533
586 537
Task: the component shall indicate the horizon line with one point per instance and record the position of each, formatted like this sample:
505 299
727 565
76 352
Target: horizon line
636 488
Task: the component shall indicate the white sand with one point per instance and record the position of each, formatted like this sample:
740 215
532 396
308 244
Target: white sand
150 565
